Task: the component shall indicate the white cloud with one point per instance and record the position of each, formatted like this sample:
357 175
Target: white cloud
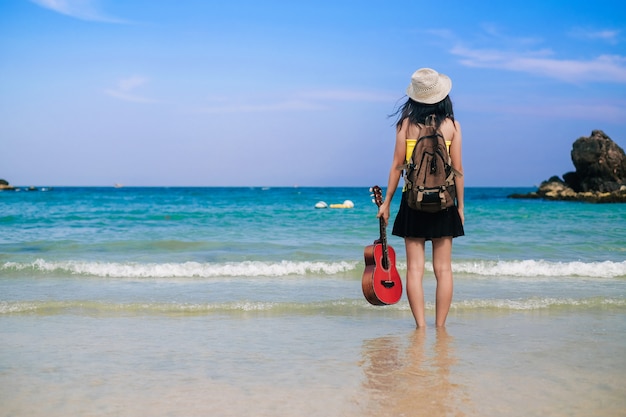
125 90
524 54
604 68
494 34
606 35
78 9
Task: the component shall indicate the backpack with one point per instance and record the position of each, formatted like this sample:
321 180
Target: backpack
429 175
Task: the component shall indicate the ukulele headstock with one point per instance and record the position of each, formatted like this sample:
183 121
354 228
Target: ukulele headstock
377 193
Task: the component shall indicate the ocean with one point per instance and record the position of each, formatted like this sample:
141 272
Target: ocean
247 301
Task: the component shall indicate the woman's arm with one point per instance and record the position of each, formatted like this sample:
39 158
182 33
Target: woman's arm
456 153
399 155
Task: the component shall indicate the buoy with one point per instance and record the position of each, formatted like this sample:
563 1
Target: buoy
321 205
345 205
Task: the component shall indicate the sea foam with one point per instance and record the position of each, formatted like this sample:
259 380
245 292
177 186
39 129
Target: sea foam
514 268
541 268
184 269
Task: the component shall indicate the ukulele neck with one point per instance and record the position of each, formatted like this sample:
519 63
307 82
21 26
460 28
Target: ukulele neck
383 242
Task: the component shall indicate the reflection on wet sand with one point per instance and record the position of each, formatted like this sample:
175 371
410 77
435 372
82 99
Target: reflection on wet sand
411 377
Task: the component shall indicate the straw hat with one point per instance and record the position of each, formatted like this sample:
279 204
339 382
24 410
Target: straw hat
428 86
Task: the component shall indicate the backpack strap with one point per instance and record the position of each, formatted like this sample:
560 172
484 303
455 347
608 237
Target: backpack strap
442 197
452 169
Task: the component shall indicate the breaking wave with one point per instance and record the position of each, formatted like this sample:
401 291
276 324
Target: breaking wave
523 268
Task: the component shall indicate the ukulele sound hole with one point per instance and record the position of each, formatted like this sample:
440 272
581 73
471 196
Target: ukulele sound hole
388 284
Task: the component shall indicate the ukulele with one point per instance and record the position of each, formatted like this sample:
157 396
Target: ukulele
381 282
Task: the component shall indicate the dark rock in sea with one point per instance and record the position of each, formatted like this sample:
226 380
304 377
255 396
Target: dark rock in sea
600 175
4 185
600 164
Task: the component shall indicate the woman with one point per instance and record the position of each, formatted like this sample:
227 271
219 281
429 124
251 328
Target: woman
427 96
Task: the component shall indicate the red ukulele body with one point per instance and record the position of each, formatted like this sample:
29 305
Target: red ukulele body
381 281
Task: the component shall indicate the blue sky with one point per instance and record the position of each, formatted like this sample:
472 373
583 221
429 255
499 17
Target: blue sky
282 93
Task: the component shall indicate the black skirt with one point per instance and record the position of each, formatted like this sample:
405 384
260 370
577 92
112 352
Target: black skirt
420 224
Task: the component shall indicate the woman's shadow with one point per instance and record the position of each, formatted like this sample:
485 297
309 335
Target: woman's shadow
411 376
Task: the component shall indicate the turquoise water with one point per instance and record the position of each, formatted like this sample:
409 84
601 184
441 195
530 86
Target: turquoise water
138 300
240 239
254 224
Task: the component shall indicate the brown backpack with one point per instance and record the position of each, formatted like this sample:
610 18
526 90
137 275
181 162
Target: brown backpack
429 175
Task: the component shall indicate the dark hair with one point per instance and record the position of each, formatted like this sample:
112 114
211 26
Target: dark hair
418 112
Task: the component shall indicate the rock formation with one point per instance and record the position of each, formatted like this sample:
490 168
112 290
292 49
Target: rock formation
600 175
4 185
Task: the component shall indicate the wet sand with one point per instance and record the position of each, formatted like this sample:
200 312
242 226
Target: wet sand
557 363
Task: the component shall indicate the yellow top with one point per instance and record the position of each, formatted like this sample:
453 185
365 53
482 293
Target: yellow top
410 145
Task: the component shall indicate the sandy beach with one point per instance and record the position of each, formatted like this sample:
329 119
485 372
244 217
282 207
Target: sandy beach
484 364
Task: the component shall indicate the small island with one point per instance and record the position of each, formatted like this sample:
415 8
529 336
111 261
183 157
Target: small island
4 185
600 175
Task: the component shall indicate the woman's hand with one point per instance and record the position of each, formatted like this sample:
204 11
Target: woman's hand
462 216
383 212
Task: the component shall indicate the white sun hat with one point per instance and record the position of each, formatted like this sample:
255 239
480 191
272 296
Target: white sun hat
428 86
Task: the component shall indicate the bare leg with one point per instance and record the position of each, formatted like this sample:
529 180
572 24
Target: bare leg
442 265
414 274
